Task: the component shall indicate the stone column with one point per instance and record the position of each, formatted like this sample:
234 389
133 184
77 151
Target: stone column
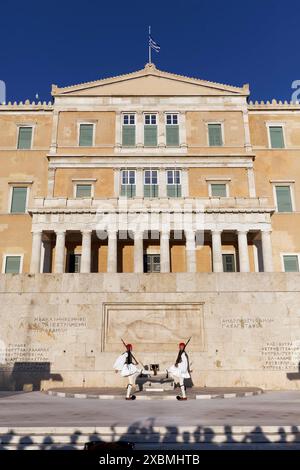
217 251
46 265
165 252
85 266
36 252
60 252
190 252
139 182
243 251
161 130
267 251
162 181
138 252
112 251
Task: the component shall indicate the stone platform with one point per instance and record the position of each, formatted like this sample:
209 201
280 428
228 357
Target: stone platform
119 393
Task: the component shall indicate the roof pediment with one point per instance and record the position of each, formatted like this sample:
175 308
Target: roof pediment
150 82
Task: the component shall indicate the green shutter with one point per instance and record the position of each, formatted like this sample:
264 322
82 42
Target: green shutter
83 190
174 190
12 264
128 190
25 135
218 190
128 136
215 135
86 135
150 190
172 135
228 263
276 137
284 201
18 203
291 264
150 136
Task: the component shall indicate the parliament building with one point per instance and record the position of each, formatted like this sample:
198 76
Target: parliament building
153 206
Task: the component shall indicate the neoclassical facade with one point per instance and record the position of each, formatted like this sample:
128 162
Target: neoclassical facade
149 172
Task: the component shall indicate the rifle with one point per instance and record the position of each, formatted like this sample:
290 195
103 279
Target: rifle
136 361
180 352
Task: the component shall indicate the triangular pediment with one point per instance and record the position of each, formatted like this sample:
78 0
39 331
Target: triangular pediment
150 82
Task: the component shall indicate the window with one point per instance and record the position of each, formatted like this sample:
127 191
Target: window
172 130
276 137
173 183
218 190
283 198
12 264
128 185
215 135
25 137
74 263
18 200
86 135
228 263
291 263
151 263
151 183
83 190
128 130
150 130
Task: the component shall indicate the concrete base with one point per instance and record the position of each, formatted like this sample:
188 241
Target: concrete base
65 329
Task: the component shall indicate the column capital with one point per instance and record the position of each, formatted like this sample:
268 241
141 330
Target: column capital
86 232
245 231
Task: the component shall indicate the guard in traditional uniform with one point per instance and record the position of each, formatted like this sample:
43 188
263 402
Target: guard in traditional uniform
180 370
127 366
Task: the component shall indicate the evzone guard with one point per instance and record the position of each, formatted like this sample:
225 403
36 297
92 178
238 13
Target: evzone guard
180 370
126 364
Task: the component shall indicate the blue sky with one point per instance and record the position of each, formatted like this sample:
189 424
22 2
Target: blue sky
69 42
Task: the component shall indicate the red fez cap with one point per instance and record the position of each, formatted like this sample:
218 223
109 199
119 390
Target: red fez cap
181 345
129 346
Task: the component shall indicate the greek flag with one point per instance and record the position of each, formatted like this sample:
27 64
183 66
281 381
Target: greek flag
153 44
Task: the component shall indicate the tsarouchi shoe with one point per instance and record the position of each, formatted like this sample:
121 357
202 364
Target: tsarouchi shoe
133 397
181 398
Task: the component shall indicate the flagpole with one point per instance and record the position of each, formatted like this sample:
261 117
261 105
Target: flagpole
149 48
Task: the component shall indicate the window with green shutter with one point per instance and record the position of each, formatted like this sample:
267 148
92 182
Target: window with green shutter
173 183
128 186
25 137
83 190
218 190
172 130
150 130
12 264
128 130
151 183
215 135
86 133
18 200
291 263
276 137
228 263
284 200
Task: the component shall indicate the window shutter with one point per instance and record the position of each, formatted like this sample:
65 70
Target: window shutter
215 135
128 190
25 135
174 190
291 263
128 136
150 190
276 137
18 203
172 136
284 201
218 190
228 263
12 264
83 190
86 135
150 136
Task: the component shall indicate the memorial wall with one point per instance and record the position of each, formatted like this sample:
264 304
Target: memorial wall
66 329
